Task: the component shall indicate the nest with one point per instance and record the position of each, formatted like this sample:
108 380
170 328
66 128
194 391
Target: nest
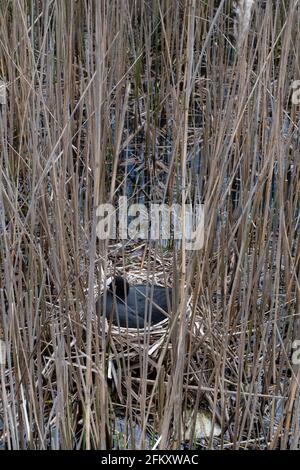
145 352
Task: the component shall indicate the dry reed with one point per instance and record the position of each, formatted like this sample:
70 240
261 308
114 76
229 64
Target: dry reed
159 101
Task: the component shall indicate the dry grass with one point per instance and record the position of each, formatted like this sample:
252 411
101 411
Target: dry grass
160 101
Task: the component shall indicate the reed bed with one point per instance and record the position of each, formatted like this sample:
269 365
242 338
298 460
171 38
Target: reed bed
174 102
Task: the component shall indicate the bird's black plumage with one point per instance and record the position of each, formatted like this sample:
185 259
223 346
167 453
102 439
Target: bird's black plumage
134 306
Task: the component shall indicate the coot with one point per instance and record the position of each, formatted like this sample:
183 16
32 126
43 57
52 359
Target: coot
134 306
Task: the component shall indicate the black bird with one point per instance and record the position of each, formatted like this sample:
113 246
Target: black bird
134 306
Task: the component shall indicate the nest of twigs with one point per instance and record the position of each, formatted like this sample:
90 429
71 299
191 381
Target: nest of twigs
158 345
